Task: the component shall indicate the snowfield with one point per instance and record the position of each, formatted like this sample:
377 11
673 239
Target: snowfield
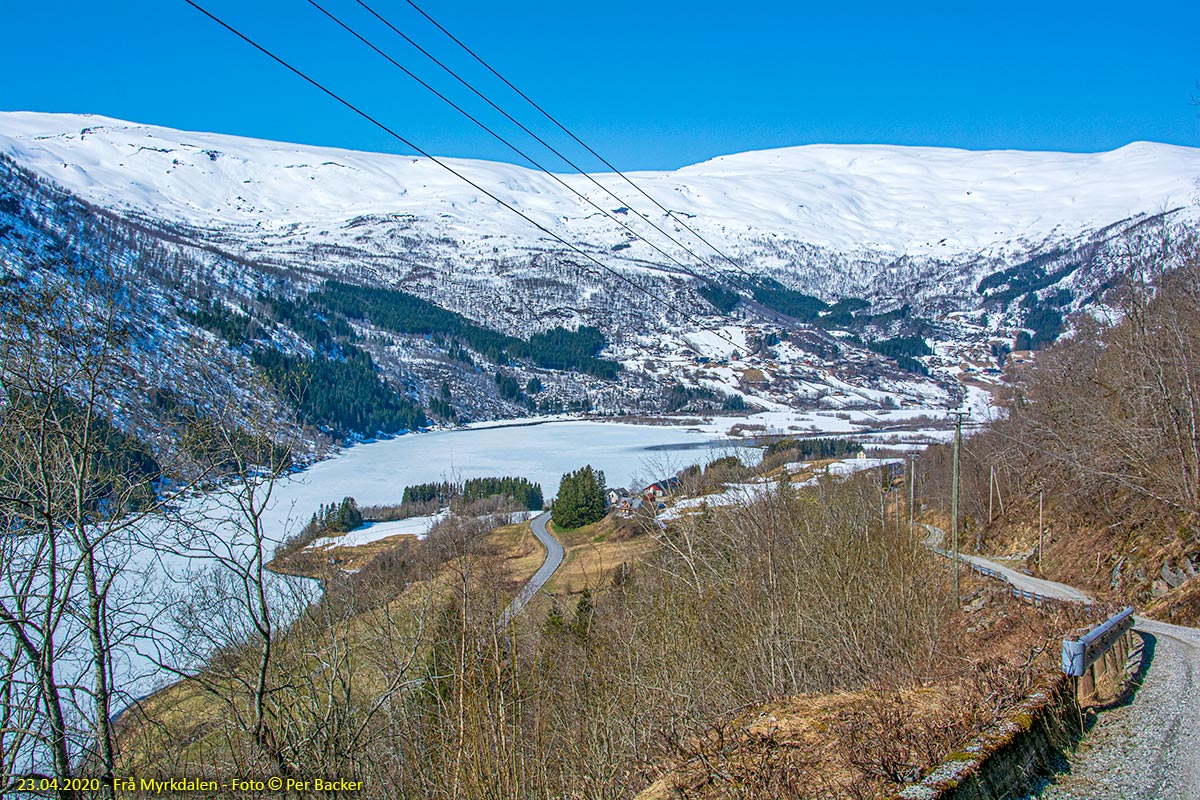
413 526
845 197
909 233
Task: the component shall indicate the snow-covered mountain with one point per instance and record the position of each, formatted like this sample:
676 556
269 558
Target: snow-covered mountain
848 198
962 249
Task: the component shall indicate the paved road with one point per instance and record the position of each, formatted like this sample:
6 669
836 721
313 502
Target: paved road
554 558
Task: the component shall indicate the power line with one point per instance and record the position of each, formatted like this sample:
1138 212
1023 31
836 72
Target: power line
540 140
574 248
579 141
388 130
608 214
750 286
752 282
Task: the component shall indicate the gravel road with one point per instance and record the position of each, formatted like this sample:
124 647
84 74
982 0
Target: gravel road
936 538
1149 748
1030 584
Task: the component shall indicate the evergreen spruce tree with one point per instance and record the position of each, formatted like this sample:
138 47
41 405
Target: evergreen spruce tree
347 517
580 498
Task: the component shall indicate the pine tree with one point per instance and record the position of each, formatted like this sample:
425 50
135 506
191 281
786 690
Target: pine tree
347 517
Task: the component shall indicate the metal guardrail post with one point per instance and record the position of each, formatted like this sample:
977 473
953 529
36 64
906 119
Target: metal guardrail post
1081 653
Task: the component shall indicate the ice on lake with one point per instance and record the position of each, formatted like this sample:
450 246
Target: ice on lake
376 473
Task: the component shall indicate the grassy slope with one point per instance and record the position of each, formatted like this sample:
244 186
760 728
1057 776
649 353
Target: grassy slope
185 712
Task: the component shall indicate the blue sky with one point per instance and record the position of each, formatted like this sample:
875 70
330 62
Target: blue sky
651 84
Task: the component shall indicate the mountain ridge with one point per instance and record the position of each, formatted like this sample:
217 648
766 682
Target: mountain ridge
887 198
252 238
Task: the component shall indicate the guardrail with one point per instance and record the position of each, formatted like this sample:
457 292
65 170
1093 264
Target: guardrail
1080 654
1024 595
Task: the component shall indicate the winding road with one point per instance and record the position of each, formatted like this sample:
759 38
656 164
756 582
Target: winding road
1028 583
1147 747
554 559
935 537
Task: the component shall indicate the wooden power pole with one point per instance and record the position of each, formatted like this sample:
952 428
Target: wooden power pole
912 489
1040 529
954 501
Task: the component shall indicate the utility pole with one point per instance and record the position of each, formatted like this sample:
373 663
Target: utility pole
897 509
883 506
1039 531
958 415
912 489
991 491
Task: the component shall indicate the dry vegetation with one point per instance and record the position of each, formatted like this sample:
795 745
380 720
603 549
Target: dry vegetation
365 645
1104 425
872 741
801 645
594 555
659 671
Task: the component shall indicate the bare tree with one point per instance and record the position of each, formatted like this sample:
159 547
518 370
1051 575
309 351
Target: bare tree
73 490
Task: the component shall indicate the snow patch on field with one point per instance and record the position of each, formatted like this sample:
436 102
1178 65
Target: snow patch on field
377 531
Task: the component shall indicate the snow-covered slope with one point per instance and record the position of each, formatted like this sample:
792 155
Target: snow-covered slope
902 200
950 255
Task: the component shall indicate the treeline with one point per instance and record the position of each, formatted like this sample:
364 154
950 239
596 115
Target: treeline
404 313
679 396
332 518
847 313
1043 316
322 331
904 350
559 348
237 329
120 470
788 450
346 395
722 300
339 388
798 305
520 490
425 492
1025 278
813 448
1043 319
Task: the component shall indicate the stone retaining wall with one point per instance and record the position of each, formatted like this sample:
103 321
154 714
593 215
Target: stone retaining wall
1008 759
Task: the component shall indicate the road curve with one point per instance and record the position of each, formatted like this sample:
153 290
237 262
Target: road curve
1149 747
1059 591
554 558
1028 583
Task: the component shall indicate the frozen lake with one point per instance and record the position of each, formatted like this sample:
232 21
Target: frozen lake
376 473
